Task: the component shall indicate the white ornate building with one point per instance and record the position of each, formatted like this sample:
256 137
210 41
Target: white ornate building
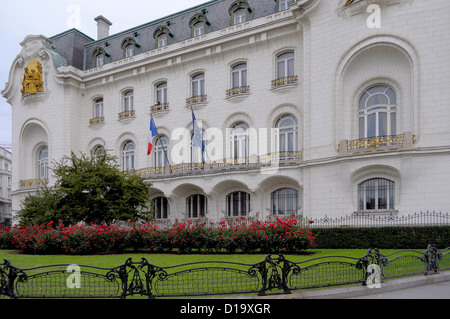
309 107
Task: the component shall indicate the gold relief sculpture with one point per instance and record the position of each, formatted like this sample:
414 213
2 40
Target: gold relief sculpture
32 78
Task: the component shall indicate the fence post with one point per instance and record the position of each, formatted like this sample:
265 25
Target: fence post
372 257
431 259
8 274
274 273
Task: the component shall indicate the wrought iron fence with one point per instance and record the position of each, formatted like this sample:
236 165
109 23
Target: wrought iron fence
388 219
274 275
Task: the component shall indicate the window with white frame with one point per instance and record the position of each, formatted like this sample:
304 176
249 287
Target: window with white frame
162 40
239 142
196 206
128 101
98 151
100 59
161 150
198 85
239 75
162 207
285 201
283 5
161 94
287 134
97 111
129 50
199 29
376 194
128 156
42 163
238 204
378 112
240 11
285 65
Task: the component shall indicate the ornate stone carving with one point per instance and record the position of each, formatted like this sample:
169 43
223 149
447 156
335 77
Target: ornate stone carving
32 78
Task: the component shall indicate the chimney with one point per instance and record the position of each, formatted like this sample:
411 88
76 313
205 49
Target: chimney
103 25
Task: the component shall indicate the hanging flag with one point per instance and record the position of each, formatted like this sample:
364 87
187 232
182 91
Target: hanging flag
153 132
198 139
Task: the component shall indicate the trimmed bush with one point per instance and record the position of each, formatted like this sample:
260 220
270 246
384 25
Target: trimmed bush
383 237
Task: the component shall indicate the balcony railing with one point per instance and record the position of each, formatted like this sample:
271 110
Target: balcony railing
33 183
376 141
196 100
126 114
281 159
159 107
280 82
96 120
238 91
377 144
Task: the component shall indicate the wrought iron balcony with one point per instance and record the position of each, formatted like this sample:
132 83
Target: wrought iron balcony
377 144
96 120
159 107
284 81
281 159
126 114
196 100
32 183
238 91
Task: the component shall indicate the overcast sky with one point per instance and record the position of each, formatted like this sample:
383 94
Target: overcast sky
21 18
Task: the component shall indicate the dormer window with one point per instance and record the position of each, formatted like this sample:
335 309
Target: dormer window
163 36
199 24
130 47
240 12
101 57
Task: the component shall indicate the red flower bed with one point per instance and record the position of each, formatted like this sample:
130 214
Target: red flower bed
239 236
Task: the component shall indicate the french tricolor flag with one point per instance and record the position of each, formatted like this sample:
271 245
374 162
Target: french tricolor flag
151 135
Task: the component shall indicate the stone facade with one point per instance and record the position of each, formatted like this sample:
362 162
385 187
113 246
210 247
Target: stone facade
310 64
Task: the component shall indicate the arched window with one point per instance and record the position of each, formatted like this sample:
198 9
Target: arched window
98 151
376 194
378 112
130 47
239 143
282 4
100 59
128 101
285 65
162 207
198 85
285 201
43 163
287 134
97 109
199 24
128 153
238 204
240 12
161 94
196 206
163 36
161 150
239 75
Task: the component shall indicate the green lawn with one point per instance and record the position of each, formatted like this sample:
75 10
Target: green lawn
108 261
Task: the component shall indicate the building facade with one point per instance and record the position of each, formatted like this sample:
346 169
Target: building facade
5 188
306 107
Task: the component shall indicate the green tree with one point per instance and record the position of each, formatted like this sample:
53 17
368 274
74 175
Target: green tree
89 189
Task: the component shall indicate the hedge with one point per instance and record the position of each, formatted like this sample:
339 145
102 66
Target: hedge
382 237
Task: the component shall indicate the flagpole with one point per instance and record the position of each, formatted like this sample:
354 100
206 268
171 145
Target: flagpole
160 141
203 143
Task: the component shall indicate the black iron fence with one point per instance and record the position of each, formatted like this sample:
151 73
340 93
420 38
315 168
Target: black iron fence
379 219
274 275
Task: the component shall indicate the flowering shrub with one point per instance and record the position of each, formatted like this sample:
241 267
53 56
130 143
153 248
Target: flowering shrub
263 237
